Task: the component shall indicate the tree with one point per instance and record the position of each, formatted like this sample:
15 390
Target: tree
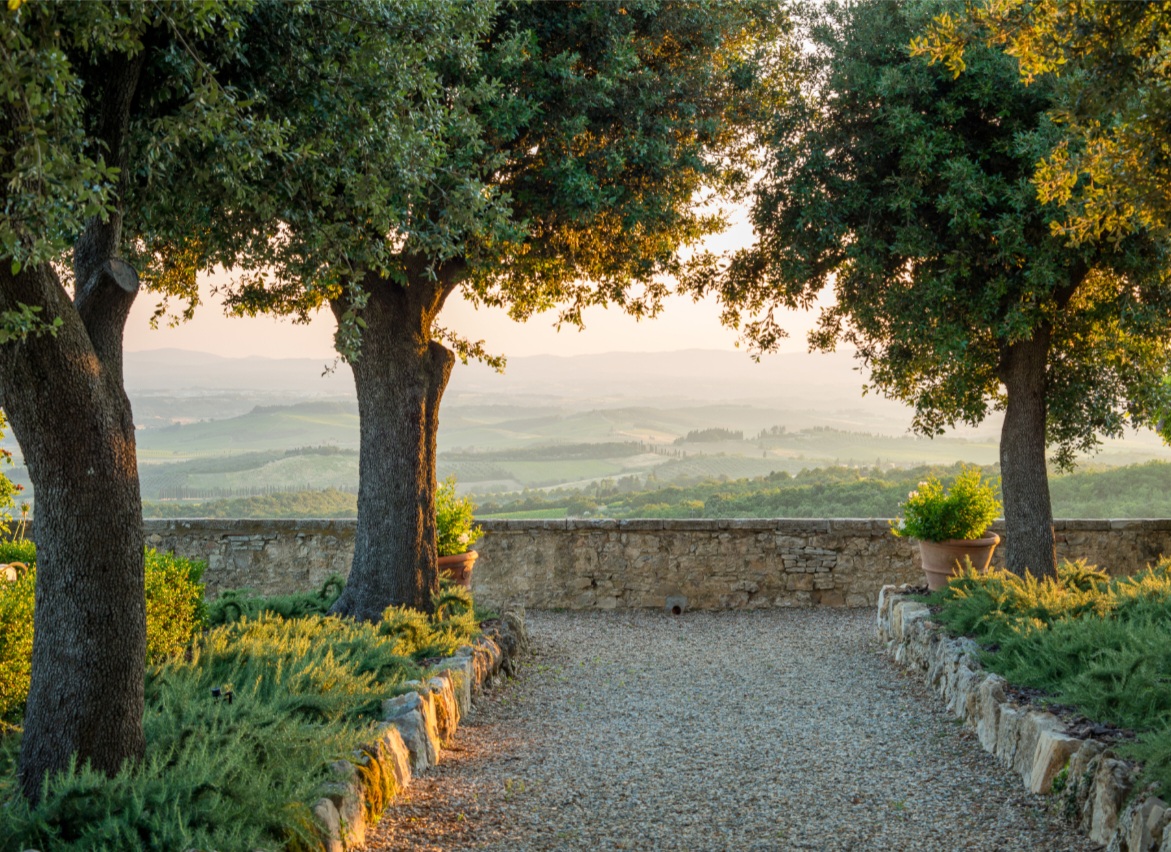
101 104
909 190
573 148
1106 63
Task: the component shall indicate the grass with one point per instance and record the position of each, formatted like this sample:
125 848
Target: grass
240 775
1100 645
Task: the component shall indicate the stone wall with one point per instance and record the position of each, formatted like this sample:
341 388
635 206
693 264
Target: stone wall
1097 784
587 564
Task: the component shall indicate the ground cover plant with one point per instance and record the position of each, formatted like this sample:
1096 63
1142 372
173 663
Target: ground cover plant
174 616
229 773
1099 644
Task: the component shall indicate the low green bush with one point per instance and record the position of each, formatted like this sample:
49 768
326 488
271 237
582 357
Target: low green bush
963 511
234 604
16 645
455 530
239 774
21 550
1100 645
174 616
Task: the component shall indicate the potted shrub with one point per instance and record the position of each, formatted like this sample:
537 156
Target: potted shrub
454 531
951 527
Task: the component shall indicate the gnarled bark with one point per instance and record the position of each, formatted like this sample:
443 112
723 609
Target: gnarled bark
65 399
75 429
400 376
1028 512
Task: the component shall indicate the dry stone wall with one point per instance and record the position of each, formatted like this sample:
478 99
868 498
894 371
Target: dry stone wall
1096 787
588 564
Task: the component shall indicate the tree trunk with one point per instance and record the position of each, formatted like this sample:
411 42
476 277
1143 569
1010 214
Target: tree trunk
1028 513
75 428
64 396
400 376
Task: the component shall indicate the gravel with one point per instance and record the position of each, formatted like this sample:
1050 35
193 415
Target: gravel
780 729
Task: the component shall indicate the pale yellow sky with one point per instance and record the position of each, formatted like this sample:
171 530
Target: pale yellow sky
682 325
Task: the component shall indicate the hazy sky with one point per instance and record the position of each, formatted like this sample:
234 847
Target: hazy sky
682 325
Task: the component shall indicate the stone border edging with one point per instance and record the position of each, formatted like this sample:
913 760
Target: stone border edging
1094 784
415 727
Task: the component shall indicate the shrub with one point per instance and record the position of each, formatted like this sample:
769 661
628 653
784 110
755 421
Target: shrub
235 604
1100 645
174 603
21 550
963 512
174 616
16 644
220 775
306 691
454 528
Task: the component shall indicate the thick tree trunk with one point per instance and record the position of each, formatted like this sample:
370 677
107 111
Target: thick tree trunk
400 376
64 396
1028 513
75 429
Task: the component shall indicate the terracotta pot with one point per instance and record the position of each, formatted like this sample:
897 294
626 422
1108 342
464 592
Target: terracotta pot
943 559
459 567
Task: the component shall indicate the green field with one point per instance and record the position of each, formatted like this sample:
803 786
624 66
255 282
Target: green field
494 449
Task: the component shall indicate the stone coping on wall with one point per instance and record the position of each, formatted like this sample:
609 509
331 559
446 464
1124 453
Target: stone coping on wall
1095 786
347 525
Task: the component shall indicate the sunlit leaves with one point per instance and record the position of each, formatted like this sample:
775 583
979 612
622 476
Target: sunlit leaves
908 189
1113 62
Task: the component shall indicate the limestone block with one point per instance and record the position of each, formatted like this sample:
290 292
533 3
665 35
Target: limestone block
462 672
347 794
991 696
329 821
799 582
1052 753
1008 732
904 614
396 756
493 656
971 706
414 716
1140 828
1034 724
1112 783
446 707
964 683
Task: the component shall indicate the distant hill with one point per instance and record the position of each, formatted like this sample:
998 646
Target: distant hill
809 387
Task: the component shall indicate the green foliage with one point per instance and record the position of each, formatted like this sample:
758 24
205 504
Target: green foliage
908 190
16 644
710 435
174 617
22 550
1101 645
226 776
454 529
306 691
962 512
236 604
1109 170
452 622
174 603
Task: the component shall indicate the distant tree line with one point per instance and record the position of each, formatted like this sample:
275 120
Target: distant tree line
711 436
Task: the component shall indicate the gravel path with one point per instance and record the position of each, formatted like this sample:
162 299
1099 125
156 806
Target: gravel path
783 729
